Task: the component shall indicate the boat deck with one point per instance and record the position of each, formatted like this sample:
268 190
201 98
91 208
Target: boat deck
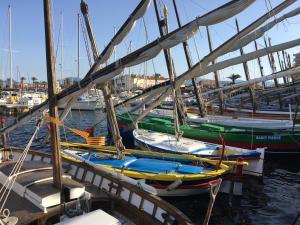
24 210
33 192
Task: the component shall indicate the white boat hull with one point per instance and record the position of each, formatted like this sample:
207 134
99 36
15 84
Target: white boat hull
149 140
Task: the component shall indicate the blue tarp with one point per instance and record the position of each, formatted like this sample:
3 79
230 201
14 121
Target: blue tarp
147 165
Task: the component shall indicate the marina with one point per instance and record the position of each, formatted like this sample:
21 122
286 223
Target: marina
150 112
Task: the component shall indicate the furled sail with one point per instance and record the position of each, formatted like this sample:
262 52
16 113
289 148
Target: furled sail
197 70
224 48
139 11
216 16
290 72
260 32
129 24
152 49
178 36
200 70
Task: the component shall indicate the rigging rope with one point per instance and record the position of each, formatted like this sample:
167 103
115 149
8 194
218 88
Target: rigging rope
84 134
8 185
85 42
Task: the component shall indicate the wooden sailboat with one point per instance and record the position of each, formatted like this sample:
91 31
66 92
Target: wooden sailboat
97 75
161 142
37 188
281 142
171 176
275 141
241 121
149 140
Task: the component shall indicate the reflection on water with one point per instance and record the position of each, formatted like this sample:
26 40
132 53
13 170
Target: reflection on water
274 199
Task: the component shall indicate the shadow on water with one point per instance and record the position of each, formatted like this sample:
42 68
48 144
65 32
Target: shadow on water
274 199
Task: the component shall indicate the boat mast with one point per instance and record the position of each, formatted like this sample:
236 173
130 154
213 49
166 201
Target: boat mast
216 75
284 57
61 46
163 30
51 78
196 86
111 114
280 61
261 68
283 67
10 47
273 68
78 46
246 71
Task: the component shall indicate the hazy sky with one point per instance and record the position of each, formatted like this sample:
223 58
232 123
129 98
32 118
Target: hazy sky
28 39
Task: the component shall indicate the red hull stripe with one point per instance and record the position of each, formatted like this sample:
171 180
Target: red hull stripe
190 186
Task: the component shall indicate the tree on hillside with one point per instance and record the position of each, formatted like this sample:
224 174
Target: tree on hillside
34 81
22 82
2 84
233 77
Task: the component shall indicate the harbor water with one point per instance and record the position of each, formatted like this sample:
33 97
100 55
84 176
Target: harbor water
273 199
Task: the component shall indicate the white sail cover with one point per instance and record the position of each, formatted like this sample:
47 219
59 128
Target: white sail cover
218 15
290 72
199 70
227 11
152 49
185 33
259 32
128 26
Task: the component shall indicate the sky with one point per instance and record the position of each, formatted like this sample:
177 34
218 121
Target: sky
28 38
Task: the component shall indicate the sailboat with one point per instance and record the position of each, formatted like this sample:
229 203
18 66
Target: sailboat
99 74
170 175
149 140
240 121
40 188
167 143
275 141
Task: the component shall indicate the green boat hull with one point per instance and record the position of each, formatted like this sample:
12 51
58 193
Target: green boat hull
280 142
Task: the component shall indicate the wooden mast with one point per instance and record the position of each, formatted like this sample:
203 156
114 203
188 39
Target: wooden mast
163 30
111 114
10 48
61 46
51 78
196 86
280 61
246 70
78 46
273 68
281 65
261 68
284 59
216 75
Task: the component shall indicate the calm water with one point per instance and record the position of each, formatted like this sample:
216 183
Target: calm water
274 199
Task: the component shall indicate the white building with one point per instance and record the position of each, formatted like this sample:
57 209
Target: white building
135 82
